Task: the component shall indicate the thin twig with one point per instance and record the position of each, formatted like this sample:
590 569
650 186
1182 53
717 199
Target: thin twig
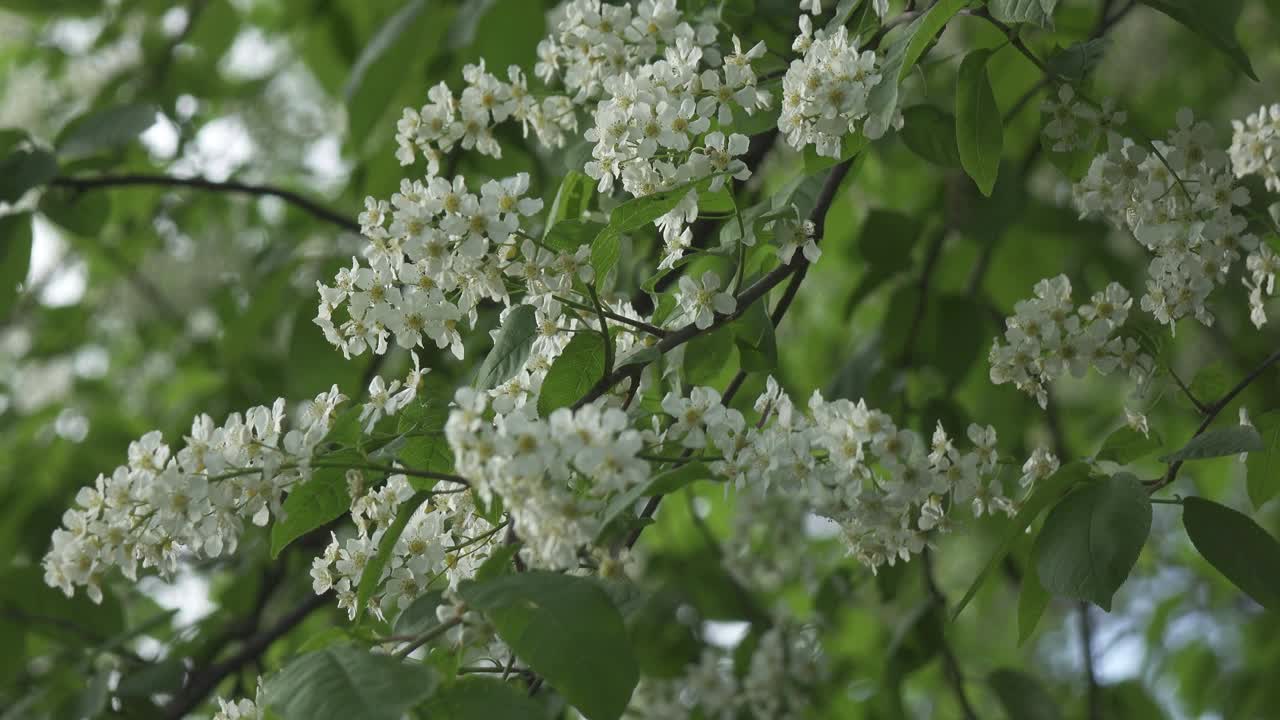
305 204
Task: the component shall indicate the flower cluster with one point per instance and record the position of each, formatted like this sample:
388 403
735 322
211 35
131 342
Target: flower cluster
444 541
592 42
1255 146
1178 199
430 262
163 504
468 121
1075 125
882 485
824 94
1263 264
553 474
784 667
1047 337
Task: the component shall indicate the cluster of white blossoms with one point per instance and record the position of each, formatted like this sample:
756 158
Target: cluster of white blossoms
1255 146
824 94
785 666
1047 337
883 486
468 121
651 130
429 263
1075 125
1179 200
554 475
163 505
443 543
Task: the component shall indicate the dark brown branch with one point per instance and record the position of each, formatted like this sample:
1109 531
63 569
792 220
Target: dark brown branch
203 682
305 204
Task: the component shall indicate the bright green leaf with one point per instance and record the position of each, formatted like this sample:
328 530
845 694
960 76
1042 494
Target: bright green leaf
1237 546
1092 538
979 125
568 631
15 257
1032 601
578 368
510 349
1218 443
1036 12
1264 465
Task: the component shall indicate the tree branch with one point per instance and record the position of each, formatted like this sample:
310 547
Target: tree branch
305 204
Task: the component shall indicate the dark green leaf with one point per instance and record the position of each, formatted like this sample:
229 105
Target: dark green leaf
1237 546
15 257
510 349
420 616
1032 601
661 484
1046 493
321 499
569 235
930 132
406 39
1218 443
576 371
707 355
1092 538
1022 696
342 682
902 55
23 169
1126 445
1074 63
568 631
1036 12
979 126
1264 465
1215 22
476 698
105 129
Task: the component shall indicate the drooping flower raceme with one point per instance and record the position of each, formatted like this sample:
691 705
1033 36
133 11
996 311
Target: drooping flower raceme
824 94
1047 337
1255 146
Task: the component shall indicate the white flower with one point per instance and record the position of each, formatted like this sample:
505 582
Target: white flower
702 300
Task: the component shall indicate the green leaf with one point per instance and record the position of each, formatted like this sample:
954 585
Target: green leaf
1036 12
105 129
510 349
1092 538
83 213
476 698
930 132
1126 445
706 356
407 39
572 374
342 682
1032 601
572 199
23 169
1045 493
1218 443
887 238
919 37
1237 546
850 145
979 126
1213 21
661 484
1074 63
321 499
1022 696
1264 465
372 575
569 235
902 55
425 446
754 337
420 616
568 631
15 257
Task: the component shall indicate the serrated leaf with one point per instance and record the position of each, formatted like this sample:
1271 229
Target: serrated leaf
1126 445
311 504
573 373
1218 443
1264 465
371 577
979 125
476 698
342 682
1036 12
510 349
1091 540
1237 546
105 129
1045 493
930 132
569 632
1213 21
